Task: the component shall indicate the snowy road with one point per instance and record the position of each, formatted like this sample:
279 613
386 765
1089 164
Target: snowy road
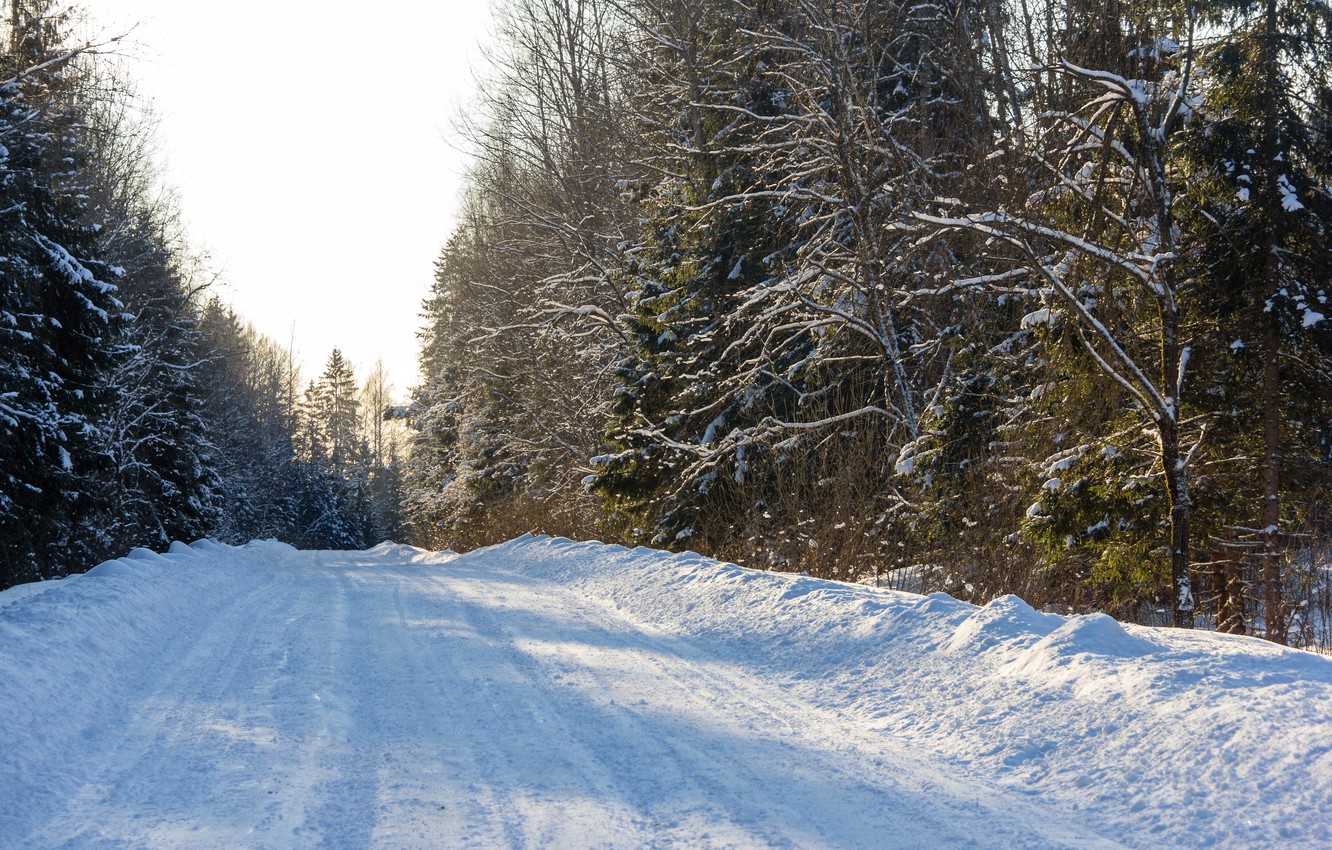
349 700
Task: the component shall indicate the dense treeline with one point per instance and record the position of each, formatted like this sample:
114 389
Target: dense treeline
967 295
133 409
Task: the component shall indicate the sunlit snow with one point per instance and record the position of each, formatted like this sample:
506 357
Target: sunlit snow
545 693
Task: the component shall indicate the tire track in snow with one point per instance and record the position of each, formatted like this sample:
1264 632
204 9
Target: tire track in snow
511 757
431 788
188 713
450 809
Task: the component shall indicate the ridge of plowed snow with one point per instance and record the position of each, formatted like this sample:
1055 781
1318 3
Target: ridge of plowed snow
65 648
1168 738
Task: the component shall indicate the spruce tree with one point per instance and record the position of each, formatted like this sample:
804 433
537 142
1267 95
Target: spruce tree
163 483
679 403
1263 155
59 312
339 415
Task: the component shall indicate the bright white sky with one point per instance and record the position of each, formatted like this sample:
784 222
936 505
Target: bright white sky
310 141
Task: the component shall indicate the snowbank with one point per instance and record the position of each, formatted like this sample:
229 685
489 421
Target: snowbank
1169 738
70 649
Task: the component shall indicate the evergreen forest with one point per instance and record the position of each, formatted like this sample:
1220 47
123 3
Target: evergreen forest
136 408
968 296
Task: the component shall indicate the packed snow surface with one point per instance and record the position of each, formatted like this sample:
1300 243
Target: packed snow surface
545 693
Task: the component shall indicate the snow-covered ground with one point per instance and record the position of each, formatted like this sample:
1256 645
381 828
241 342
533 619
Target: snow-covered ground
545 693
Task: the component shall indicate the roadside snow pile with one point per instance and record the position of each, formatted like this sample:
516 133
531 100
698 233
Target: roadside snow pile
403 552
67 645
1173 738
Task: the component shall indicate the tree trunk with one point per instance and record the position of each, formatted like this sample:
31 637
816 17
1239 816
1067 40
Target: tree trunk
1274 603
1230 596
1178 491
1274 612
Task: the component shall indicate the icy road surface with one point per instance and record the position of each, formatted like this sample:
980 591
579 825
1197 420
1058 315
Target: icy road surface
350 700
